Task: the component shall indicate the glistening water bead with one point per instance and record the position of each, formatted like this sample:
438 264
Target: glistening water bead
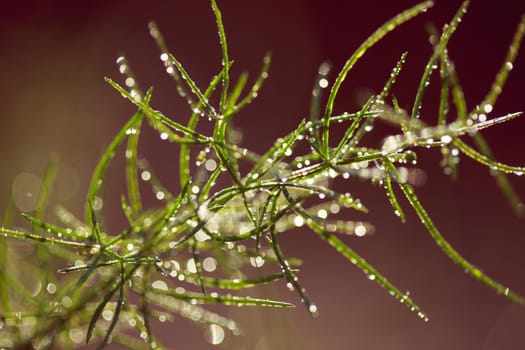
214 334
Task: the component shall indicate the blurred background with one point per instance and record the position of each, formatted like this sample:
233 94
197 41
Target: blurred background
53 100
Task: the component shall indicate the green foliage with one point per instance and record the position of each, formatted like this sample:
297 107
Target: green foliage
227 219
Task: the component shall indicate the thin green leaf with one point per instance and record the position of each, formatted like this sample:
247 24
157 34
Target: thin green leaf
126 209
184 157
257 85
208 185
33 237
160 191
193 136
116 313
98 311
501 77
501 178
203 100
172 208
7 219
274 155
342 147
393 76
236 284
447 248
170 69
368 43
84 267
225 58
290 275
54 229
145 309
43 253
132 182
221 299
94 224
236 94
431 64
445 89
398 211
480 158
100 170
367 269
192 312
320 84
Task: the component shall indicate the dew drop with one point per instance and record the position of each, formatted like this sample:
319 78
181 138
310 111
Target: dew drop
67 302
313 309
323 83
51 288
107 314
209 264
202 236
120 60
210 164
145 175
360 230
98 203
191 266
26 187
159 284
130 82
214 334
298 221
123 69
446 139
322 214
136 95
76 335
257 261
334 208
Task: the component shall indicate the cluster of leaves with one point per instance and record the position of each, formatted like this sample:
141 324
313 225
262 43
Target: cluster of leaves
226 217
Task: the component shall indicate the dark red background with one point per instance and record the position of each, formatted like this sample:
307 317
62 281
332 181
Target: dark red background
53 100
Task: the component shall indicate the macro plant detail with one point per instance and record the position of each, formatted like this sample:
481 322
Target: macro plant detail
208 241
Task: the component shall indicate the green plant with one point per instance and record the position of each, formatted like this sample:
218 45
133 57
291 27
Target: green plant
233 204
